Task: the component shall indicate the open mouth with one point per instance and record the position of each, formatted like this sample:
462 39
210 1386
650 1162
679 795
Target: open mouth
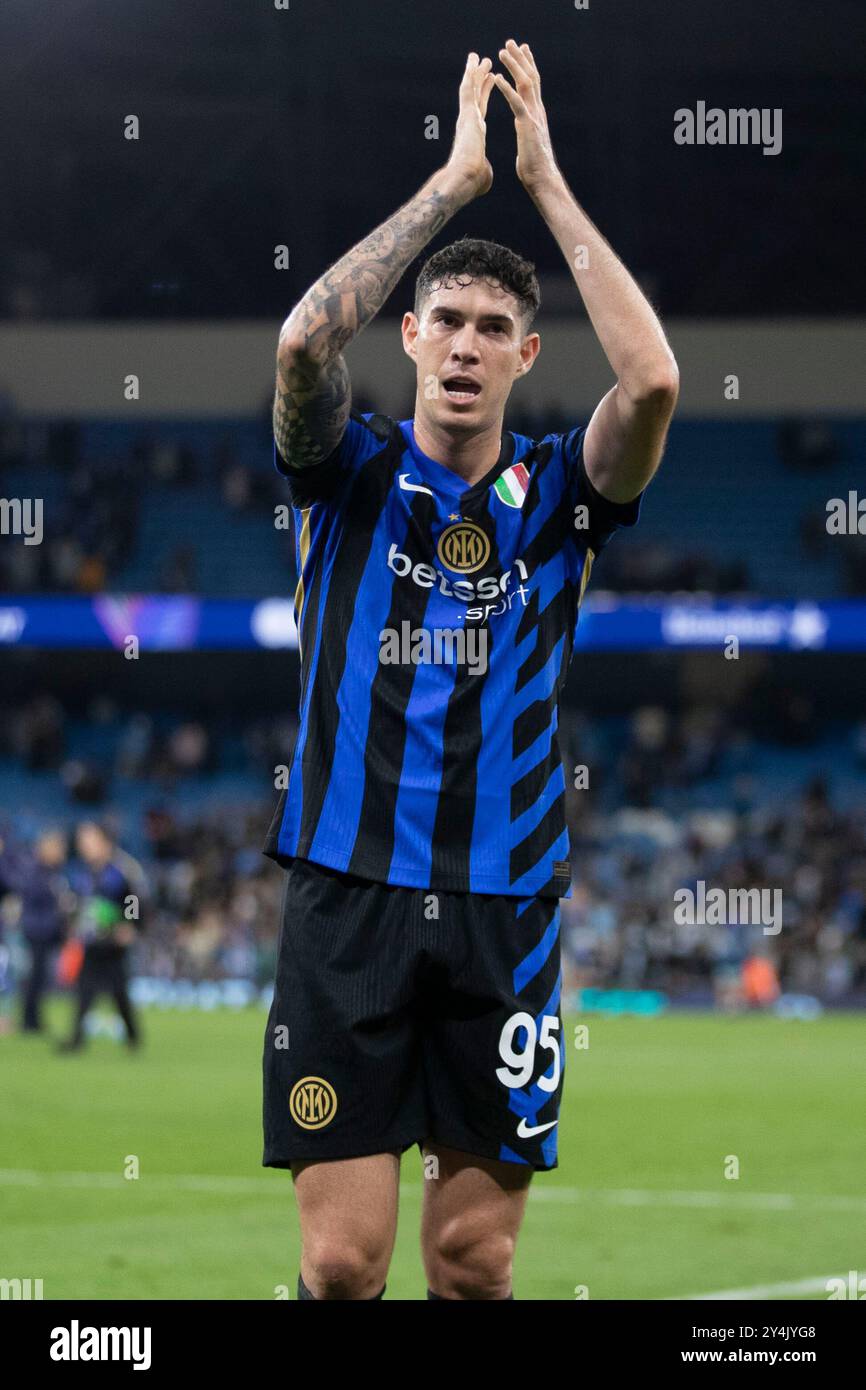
461 388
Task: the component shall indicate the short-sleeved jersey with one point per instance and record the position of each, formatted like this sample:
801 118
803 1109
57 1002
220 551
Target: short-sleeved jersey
436 623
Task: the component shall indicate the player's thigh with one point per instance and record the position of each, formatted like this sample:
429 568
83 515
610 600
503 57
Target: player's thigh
470 1202
348 1200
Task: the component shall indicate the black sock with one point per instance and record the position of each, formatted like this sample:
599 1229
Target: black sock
304 1293
441 1299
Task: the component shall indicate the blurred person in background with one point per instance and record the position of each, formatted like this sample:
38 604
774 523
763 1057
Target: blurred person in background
5 986
6 982
36 878
109 888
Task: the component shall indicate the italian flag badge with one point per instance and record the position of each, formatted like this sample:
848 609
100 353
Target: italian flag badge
511 487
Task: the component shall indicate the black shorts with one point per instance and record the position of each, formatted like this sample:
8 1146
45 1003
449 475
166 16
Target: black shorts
402 1015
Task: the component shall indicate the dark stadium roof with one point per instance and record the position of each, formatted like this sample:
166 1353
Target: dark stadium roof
305 126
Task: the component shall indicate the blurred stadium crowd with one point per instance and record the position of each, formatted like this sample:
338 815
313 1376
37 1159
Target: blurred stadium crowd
671 800
178 508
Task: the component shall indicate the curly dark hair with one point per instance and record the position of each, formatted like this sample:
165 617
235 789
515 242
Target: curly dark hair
481 260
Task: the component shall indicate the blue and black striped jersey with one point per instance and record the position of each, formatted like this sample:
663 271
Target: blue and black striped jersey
436 623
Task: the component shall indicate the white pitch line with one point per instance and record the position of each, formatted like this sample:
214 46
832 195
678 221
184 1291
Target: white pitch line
744 1201
614 1197
818 1284
160 1182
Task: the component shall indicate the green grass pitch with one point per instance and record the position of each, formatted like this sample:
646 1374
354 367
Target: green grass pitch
639 1207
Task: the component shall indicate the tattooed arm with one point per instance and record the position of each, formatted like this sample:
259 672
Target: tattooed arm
313 395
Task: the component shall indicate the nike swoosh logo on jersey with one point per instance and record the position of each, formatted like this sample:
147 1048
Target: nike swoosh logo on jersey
412 487
525 1131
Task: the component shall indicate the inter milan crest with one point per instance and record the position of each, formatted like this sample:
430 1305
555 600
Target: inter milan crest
463 547
313 1102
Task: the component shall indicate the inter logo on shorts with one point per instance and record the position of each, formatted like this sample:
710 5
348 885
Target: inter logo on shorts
463 547
312 1102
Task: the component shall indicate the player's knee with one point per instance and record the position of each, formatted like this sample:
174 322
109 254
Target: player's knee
472 1264
338 1267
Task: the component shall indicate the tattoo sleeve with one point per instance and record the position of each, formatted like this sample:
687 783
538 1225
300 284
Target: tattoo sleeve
313 395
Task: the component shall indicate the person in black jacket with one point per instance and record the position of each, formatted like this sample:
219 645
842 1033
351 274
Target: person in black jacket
36 878
109 886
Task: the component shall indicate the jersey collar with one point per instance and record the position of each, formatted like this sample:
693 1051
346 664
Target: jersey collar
445 477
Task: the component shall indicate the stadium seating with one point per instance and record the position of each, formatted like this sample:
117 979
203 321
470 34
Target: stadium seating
724 491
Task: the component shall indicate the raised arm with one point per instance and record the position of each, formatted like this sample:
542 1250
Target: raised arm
313 395
625 438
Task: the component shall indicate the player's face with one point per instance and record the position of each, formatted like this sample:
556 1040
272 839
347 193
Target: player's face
469 347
